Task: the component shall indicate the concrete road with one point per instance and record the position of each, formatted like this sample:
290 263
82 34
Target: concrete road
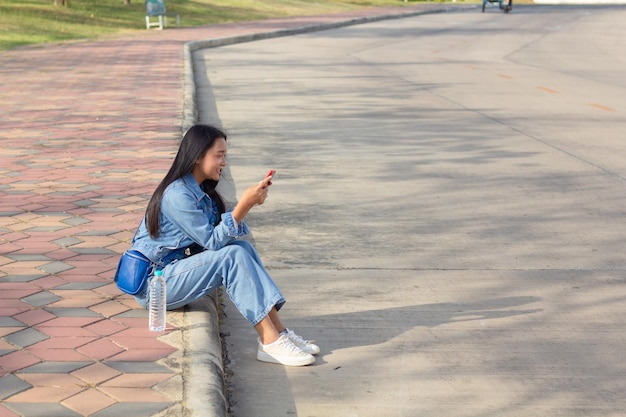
447 220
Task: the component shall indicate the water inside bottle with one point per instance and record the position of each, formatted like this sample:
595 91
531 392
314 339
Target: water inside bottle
157 319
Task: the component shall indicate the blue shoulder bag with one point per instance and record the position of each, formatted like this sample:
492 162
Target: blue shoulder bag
132 272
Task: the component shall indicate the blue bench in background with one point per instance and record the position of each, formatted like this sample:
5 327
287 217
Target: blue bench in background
156 8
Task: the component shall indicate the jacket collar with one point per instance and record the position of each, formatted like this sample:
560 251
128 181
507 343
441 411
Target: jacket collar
192 184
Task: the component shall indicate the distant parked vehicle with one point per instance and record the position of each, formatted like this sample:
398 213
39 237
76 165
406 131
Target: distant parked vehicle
505 8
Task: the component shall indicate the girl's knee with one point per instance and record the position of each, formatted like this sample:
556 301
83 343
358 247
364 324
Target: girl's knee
240 249
244 246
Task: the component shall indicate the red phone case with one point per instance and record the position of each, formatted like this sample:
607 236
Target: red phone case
270 174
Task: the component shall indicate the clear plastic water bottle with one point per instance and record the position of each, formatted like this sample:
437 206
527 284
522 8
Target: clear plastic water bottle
156 321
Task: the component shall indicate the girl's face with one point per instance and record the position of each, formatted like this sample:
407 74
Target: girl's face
209 166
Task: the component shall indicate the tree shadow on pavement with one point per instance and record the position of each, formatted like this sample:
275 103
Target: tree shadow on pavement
365 328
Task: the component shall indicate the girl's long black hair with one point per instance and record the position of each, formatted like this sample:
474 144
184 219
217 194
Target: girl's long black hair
195 144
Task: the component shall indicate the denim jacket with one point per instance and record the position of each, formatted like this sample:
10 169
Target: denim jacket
187 216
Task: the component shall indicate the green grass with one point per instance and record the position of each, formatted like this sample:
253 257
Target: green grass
28 22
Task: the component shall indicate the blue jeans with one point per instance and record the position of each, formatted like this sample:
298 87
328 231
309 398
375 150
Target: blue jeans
236 266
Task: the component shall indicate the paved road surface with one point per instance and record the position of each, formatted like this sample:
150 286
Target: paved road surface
447 217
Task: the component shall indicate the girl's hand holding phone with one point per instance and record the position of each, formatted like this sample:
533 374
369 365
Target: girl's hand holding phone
253 196
268 178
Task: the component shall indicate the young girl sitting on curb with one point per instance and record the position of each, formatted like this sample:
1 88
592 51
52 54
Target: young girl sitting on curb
186 211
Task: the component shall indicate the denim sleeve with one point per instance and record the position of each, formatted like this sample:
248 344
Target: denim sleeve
181 210
233 228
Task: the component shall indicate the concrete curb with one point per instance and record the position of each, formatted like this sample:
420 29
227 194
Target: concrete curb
204 386
204 383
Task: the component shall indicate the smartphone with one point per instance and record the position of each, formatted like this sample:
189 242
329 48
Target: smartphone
270 174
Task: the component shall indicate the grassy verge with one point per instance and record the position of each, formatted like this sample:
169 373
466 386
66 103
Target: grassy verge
27 22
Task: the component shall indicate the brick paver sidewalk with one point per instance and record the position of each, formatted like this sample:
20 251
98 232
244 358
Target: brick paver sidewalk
86 132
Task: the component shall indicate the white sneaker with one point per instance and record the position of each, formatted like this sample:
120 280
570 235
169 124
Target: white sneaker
305 345
284 352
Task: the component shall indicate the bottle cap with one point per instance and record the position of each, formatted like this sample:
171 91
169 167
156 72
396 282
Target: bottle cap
158 273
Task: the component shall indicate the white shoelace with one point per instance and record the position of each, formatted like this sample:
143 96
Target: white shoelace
298 339
288 344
